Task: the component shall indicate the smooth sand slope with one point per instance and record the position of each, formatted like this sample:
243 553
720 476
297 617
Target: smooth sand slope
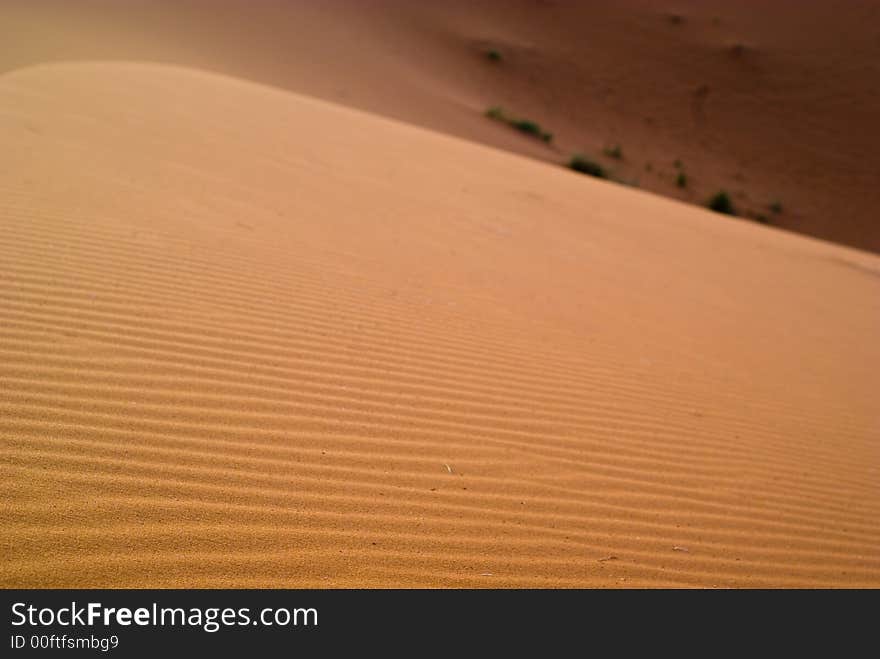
249 338
775 102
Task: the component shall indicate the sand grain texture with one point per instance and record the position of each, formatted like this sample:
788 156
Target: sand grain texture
252 339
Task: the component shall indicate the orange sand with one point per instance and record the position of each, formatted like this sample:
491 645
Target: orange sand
253 339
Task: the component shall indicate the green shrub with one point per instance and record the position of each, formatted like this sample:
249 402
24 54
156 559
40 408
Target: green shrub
493 55
681 180
523 125
527 126
613 152
721 203
776 207
586 166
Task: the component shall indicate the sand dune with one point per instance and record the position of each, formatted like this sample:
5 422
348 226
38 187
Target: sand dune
774 102
249 338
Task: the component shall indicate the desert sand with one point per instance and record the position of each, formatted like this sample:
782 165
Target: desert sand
774 102
251 338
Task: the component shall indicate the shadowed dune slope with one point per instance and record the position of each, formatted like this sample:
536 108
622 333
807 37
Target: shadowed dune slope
774 102
249 338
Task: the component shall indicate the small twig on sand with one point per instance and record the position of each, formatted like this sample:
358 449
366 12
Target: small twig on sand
677 548
607 558
448 468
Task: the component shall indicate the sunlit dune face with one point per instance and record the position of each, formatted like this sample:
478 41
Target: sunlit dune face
249 338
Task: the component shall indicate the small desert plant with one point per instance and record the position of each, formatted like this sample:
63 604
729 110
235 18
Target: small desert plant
530 127
523 125
584 165
677 164
721 203
776 207
613 152
681 180
493 55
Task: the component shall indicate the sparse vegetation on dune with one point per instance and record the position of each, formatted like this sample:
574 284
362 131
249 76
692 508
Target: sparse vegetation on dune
614 151
776 207
495 113
681 180
532 128
584 165
493 55
720 203
523 125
